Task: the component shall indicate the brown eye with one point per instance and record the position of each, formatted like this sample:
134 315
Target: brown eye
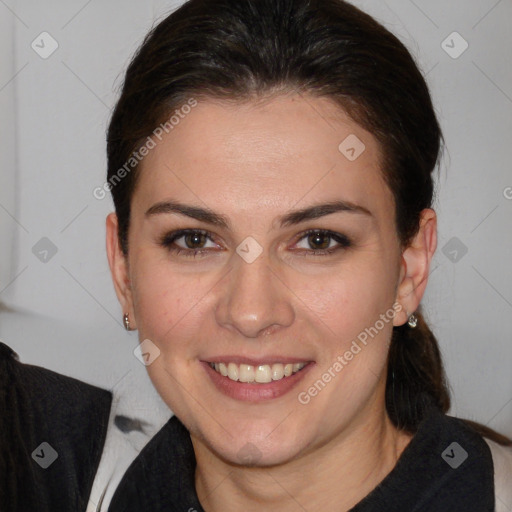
319 240
195 240
322 242
188 242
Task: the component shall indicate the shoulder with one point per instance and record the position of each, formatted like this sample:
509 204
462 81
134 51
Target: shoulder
446 466
57 401
53 433
502 461
500 468
130 430
162 477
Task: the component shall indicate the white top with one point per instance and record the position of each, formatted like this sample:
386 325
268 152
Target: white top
502 460
120 450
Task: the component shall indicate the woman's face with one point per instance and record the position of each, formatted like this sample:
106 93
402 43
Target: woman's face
290 257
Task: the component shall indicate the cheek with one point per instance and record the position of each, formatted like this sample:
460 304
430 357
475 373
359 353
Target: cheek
350 298
167 303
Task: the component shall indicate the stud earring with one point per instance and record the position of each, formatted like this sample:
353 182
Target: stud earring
413 321
126 322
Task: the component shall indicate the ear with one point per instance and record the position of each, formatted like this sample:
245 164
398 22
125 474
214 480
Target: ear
118 263
415 266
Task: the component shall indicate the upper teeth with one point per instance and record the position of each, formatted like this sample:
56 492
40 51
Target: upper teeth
261 373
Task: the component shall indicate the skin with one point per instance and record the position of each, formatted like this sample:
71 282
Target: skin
253 163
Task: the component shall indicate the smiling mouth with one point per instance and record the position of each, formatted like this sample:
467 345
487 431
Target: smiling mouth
261 374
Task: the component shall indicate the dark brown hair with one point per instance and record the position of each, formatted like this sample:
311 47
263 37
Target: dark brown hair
242 50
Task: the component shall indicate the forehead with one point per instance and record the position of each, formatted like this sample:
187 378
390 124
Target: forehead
264 156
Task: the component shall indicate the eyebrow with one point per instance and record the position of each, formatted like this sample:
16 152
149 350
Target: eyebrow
289 219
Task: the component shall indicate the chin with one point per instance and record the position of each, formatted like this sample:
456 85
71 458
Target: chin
259 446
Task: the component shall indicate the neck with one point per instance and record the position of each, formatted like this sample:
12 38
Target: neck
334 477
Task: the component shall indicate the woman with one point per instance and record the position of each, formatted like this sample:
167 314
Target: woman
271 167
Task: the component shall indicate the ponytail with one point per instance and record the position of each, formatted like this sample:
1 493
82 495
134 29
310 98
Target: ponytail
416 380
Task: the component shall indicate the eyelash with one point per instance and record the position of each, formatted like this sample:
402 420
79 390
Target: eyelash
168 240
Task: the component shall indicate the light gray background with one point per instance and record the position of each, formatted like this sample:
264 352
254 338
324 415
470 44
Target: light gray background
63 313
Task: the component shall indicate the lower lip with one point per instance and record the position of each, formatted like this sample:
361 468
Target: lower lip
255 392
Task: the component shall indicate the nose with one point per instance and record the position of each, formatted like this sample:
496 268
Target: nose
254 301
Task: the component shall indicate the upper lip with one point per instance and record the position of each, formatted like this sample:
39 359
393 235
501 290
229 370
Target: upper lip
256 361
